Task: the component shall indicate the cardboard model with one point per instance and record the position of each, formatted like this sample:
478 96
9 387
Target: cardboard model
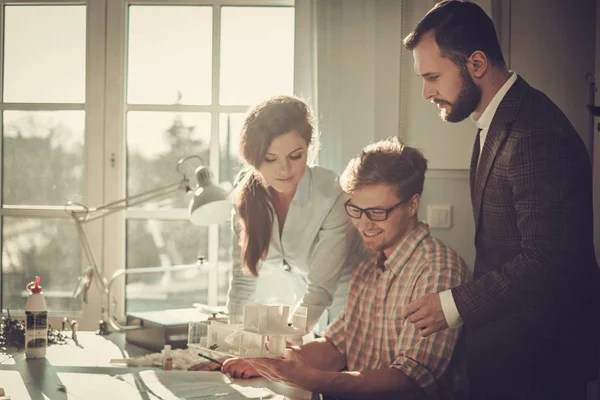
263 332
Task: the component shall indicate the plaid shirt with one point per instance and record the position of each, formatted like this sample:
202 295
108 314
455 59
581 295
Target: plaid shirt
372 334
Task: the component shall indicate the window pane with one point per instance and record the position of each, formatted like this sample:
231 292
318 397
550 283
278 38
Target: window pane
44 54
155 243
224 271
43 157
45 247
257 53
155 142
230 126
170 55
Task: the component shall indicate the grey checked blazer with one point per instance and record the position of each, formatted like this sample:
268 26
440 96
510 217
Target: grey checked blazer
535 276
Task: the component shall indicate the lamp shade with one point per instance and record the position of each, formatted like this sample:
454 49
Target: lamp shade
210 203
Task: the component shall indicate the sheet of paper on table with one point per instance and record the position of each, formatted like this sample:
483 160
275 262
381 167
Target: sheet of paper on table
160 385
169 385
76 385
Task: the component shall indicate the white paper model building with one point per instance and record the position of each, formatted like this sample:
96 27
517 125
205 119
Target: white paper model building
263 332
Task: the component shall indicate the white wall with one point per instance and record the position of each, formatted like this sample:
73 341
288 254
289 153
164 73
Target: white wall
451 187
346 78
446 145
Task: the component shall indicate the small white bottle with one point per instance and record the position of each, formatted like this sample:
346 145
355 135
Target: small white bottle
36 329
167 358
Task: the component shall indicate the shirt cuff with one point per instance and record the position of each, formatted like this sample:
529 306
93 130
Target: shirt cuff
449 309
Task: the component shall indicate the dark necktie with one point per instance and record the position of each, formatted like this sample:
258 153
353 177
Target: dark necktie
474 161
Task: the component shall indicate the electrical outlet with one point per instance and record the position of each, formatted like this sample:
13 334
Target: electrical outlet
439 216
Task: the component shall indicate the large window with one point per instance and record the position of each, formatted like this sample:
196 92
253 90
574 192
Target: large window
100 100
43 124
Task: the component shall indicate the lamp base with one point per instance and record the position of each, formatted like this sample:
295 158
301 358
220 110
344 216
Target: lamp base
158 328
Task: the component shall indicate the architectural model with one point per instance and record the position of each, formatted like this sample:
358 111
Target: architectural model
263 332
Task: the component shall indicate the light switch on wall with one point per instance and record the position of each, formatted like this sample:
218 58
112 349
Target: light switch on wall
439 216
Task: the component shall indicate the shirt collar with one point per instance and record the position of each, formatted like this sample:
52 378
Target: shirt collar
396 261
486 117
303 190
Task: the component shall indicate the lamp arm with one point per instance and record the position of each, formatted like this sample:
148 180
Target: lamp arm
201 265
89 214
90 256
86 214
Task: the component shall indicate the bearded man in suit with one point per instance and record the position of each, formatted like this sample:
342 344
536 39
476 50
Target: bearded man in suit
531 313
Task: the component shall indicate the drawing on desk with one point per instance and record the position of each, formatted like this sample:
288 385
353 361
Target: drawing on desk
263 333
186 385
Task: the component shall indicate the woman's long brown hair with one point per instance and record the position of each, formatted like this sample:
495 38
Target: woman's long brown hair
271 118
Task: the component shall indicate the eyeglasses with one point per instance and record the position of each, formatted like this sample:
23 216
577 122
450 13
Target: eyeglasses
374 214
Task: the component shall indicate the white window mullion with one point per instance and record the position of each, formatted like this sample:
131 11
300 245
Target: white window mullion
114 146
1 141
216 3
38 2
213 231
186 108
94 131
216 68
1 71
43 106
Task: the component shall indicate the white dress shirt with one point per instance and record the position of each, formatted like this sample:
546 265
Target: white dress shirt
316 250
449 309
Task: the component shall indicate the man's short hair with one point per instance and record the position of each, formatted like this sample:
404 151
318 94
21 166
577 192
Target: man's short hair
388 162
460 28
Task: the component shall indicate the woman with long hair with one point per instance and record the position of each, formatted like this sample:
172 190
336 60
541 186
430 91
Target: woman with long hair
289 219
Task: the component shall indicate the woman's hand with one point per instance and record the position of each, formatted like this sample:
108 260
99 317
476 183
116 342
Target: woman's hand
239 368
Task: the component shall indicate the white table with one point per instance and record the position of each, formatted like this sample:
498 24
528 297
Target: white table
82 371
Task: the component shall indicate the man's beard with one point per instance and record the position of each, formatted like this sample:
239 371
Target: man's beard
380 246
467 100
375 247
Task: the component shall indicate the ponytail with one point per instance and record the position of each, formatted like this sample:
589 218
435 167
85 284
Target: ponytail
255 218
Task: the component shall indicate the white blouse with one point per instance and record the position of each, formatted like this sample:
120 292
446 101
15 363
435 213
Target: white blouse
318 242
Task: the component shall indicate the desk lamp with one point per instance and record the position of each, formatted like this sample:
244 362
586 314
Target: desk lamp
209 205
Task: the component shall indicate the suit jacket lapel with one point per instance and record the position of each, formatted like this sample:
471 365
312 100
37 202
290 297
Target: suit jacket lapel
473 168
498 131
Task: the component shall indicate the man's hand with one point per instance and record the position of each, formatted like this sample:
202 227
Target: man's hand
239 368
426 314
235 367
290 369
204 366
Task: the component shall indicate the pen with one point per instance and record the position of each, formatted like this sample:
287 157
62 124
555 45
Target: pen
210 359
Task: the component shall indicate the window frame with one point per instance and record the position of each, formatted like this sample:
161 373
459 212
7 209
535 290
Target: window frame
115 147
105 110
93 107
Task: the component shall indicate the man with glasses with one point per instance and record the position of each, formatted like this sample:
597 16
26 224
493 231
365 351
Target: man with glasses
369 351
